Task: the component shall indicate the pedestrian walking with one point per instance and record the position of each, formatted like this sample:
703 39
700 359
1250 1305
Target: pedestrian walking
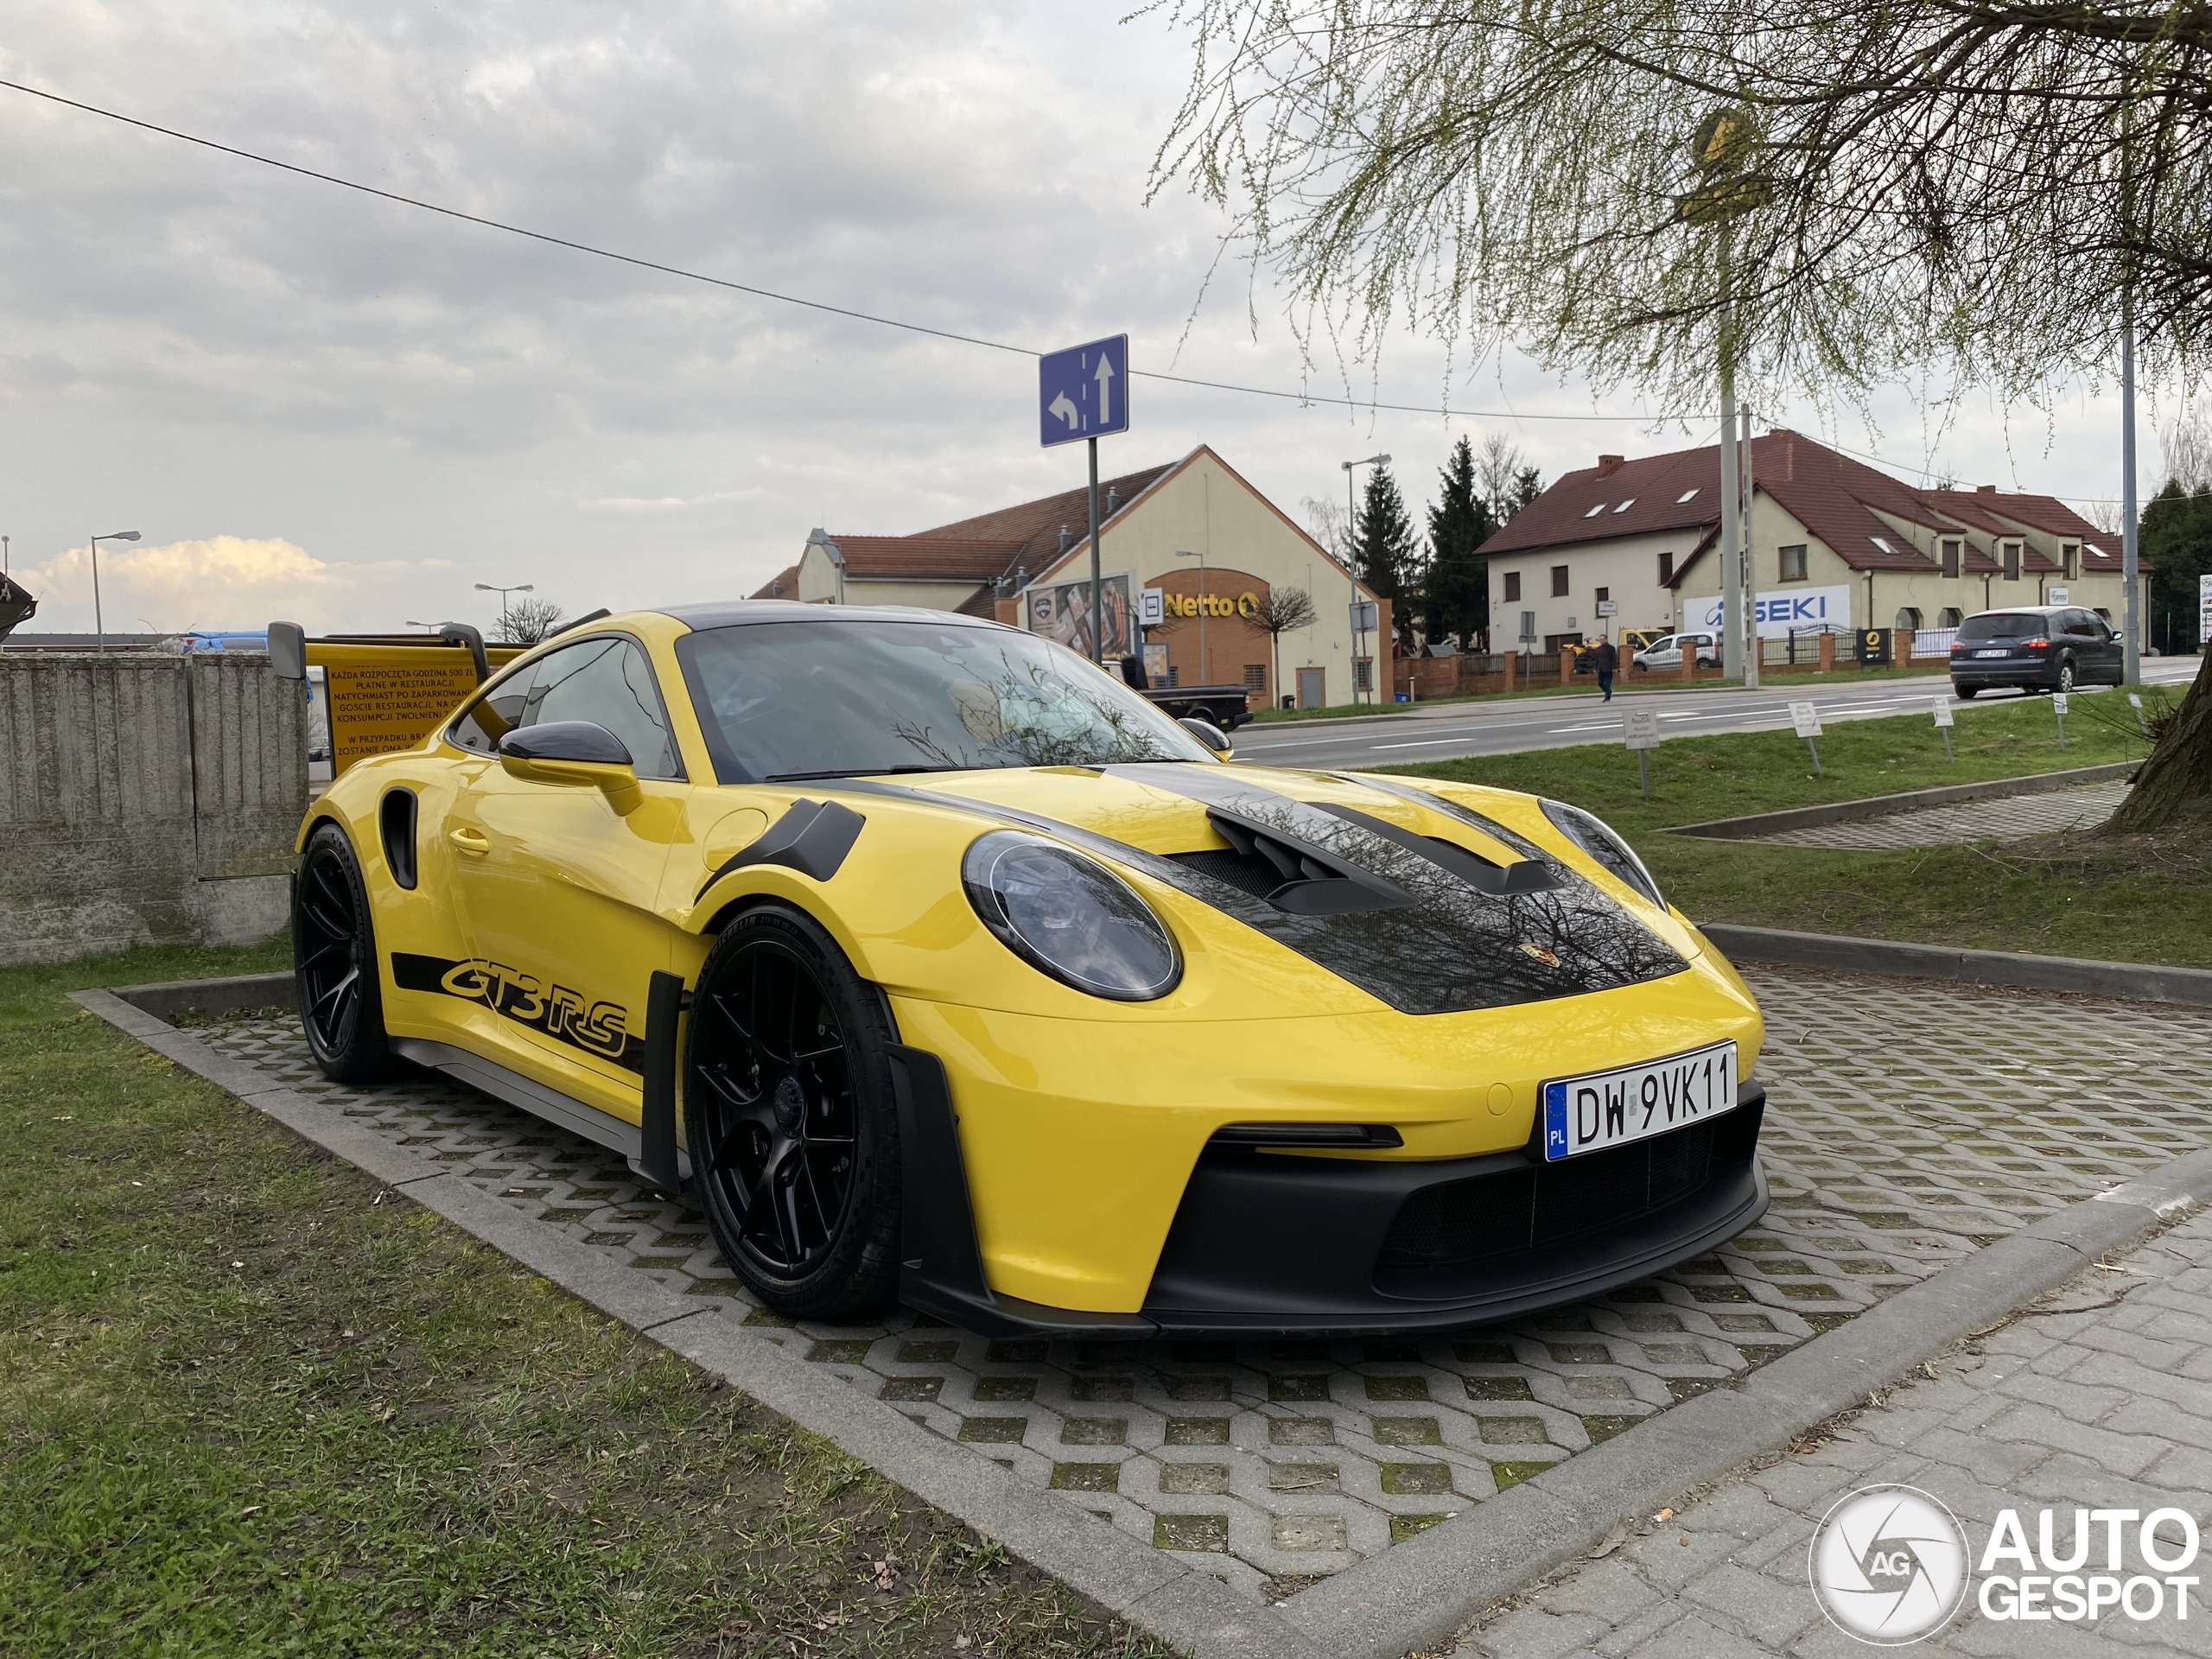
1606 661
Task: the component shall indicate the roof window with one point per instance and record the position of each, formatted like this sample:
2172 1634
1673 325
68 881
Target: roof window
1595 510
1685 496
1626 505
1884 546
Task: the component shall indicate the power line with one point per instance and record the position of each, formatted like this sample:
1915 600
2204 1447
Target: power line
769 293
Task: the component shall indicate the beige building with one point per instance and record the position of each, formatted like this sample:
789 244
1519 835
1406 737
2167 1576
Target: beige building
1195 531
1836 545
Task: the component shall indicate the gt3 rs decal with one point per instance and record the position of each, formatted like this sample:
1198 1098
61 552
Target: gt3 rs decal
599 1028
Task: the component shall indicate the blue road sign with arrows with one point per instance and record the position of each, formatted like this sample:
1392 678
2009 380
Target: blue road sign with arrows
1083 392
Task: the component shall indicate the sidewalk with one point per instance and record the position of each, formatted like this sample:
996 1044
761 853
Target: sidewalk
2103 1409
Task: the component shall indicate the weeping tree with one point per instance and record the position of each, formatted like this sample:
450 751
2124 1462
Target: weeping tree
1825 197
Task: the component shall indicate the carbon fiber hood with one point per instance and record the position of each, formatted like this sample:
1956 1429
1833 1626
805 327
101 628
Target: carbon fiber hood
1422 923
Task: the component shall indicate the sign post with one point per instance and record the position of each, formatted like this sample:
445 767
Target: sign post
1640 728
1943 725
2203 609
2058 707
2135 702
1078 397
1807 719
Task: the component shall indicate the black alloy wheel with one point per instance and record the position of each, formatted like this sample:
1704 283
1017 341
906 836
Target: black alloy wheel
788 1117
334 960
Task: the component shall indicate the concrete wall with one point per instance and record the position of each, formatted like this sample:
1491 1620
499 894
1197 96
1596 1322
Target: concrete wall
145 798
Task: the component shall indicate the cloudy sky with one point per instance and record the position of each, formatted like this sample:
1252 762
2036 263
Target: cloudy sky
318 406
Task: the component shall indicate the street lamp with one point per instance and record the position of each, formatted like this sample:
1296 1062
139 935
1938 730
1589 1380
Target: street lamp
100 627
492 588
1351 517
1201 557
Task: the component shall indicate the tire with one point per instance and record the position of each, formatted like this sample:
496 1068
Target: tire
334 963
793 1132
1966 691
2065 681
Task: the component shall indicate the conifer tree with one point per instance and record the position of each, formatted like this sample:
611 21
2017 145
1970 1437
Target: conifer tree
1457 596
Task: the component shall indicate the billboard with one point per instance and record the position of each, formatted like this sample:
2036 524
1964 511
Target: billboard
1792 610
1062 612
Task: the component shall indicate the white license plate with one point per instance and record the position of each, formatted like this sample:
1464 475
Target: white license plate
1633 1102
1992 653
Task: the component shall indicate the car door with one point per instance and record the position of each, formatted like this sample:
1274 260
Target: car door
556 889
2112 655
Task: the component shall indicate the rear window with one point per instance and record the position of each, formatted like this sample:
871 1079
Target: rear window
2002 625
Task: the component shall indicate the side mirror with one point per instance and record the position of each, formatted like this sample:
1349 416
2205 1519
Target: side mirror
1208 733
573 752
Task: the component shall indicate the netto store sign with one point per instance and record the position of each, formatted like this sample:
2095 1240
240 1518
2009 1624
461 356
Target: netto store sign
1246 605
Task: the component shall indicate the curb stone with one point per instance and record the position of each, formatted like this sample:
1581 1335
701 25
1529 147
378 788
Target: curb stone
1415 1593
2142 981
1912 800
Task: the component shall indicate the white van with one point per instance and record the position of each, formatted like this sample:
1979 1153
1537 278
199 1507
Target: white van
1668 652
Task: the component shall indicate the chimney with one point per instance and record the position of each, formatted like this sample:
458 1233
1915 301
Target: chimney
1608 464
1985 489
1113 501
1067 538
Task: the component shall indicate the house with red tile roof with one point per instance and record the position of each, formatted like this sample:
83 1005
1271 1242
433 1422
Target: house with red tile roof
1835 544
1030 564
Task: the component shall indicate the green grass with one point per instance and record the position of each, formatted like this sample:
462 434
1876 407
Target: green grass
251 1404
2083 895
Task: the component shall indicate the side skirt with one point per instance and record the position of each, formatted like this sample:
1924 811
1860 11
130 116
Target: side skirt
534 1098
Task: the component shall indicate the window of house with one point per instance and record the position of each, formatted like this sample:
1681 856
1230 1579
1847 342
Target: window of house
1602 594
1953 553
1948 617
1626 505
1559 581
2011 552
1363 675
1667 564
1255 680
1595 510
1908 617
1882 542
1793 564
1512 585
1684 496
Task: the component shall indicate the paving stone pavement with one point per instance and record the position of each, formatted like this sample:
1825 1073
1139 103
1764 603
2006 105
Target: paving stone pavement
1907 1125
2106 1408
2009 819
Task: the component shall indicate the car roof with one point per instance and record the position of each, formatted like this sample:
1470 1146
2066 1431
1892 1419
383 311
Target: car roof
737 613
2026 610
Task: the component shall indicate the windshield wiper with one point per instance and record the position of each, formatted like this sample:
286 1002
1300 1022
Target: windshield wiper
852 771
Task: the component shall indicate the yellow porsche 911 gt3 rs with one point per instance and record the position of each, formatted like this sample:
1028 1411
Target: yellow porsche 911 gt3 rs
944 966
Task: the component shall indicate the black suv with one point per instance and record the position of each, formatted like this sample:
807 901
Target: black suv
2039 648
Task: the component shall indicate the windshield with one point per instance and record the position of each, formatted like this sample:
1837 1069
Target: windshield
2003 625
797 700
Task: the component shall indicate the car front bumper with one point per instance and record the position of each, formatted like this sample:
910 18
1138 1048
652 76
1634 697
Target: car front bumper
1267 1244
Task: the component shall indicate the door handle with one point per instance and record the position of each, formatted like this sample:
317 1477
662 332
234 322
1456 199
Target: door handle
470 841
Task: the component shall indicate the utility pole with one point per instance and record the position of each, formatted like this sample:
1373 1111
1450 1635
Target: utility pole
2128 561
1749 559
1732 500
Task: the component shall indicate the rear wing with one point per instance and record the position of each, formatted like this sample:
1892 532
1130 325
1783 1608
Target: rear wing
383 693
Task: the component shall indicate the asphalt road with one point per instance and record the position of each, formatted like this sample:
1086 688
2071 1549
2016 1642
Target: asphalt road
1447 731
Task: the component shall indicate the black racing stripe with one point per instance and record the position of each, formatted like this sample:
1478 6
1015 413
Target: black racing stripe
1453 948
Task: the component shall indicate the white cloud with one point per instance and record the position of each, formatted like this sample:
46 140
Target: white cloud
223 582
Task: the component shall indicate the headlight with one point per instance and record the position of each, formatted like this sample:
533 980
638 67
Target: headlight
1593 835
1071 917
